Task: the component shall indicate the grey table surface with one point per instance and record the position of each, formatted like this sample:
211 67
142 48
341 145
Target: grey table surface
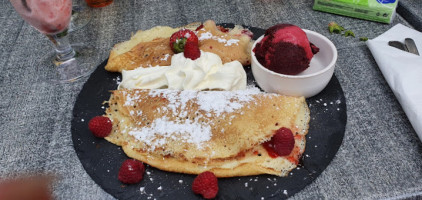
381 155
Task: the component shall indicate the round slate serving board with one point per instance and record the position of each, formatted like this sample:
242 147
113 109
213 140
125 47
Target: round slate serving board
102 159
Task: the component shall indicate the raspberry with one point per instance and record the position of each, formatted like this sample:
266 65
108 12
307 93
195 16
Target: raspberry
283 141
191 51
100 126
205 184
131 171
180 38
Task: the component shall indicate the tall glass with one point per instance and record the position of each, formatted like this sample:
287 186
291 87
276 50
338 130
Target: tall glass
52 18
81 15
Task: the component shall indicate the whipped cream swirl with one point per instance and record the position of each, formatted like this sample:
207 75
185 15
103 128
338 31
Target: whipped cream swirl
205 73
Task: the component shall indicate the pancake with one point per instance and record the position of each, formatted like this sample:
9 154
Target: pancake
151 53
219 131
126 55
230 44
151 47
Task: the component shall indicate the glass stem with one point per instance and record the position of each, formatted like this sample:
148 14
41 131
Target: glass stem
64 51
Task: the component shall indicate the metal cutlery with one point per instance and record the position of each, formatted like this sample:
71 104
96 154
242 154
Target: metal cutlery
408 45
398 45
411 46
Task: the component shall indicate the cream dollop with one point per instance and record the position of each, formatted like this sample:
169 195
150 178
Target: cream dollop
205 73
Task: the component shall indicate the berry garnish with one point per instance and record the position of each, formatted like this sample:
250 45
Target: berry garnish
180 38
222 29
205 184
100 126
247 32
192 51
283 141
335 28
131 171
199 27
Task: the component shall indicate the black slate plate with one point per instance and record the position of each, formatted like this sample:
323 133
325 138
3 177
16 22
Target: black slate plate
102 159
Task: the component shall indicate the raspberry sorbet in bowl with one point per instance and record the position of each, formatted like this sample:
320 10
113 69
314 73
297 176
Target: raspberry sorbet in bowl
292 61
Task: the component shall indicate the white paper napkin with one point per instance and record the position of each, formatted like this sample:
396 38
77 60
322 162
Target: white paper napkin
402 70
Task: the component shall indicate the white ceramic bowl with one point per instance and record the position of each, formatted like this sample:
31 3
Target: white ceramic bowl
307 83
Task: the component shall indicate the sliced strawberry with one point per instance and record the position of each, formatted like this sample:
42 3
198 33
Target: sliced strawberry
180 38
192 51
199 27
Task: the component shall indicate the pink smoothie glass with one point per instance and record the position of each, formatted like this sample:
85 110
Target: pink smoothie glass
52 18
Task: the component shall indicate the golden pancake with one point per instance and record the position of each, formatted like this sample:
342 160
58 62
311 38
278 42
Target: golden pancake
231 45
151 47
152 53
126 55
254 162
219 131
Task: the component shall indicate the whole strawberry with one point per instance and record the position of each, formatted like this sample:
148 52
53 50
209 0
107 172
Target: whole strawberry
205 184
192 51
283 141
180 38
100 126
131 171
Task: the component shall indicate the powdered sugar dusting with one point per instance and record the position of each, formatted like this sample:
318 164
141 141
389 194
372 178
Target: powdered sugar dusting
216 102
231 41
162 129
130 101
175 99
205 36
190 130
165 57
208 36
222 101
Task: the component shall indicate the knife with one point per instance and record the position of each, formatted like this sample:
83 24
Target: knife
411 46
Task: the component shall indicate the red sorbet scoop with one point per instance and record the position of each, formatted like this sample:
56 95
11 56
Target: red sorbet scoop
285 49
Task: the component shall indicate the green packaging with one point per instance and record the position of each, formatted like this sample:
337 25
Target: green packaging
374 10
